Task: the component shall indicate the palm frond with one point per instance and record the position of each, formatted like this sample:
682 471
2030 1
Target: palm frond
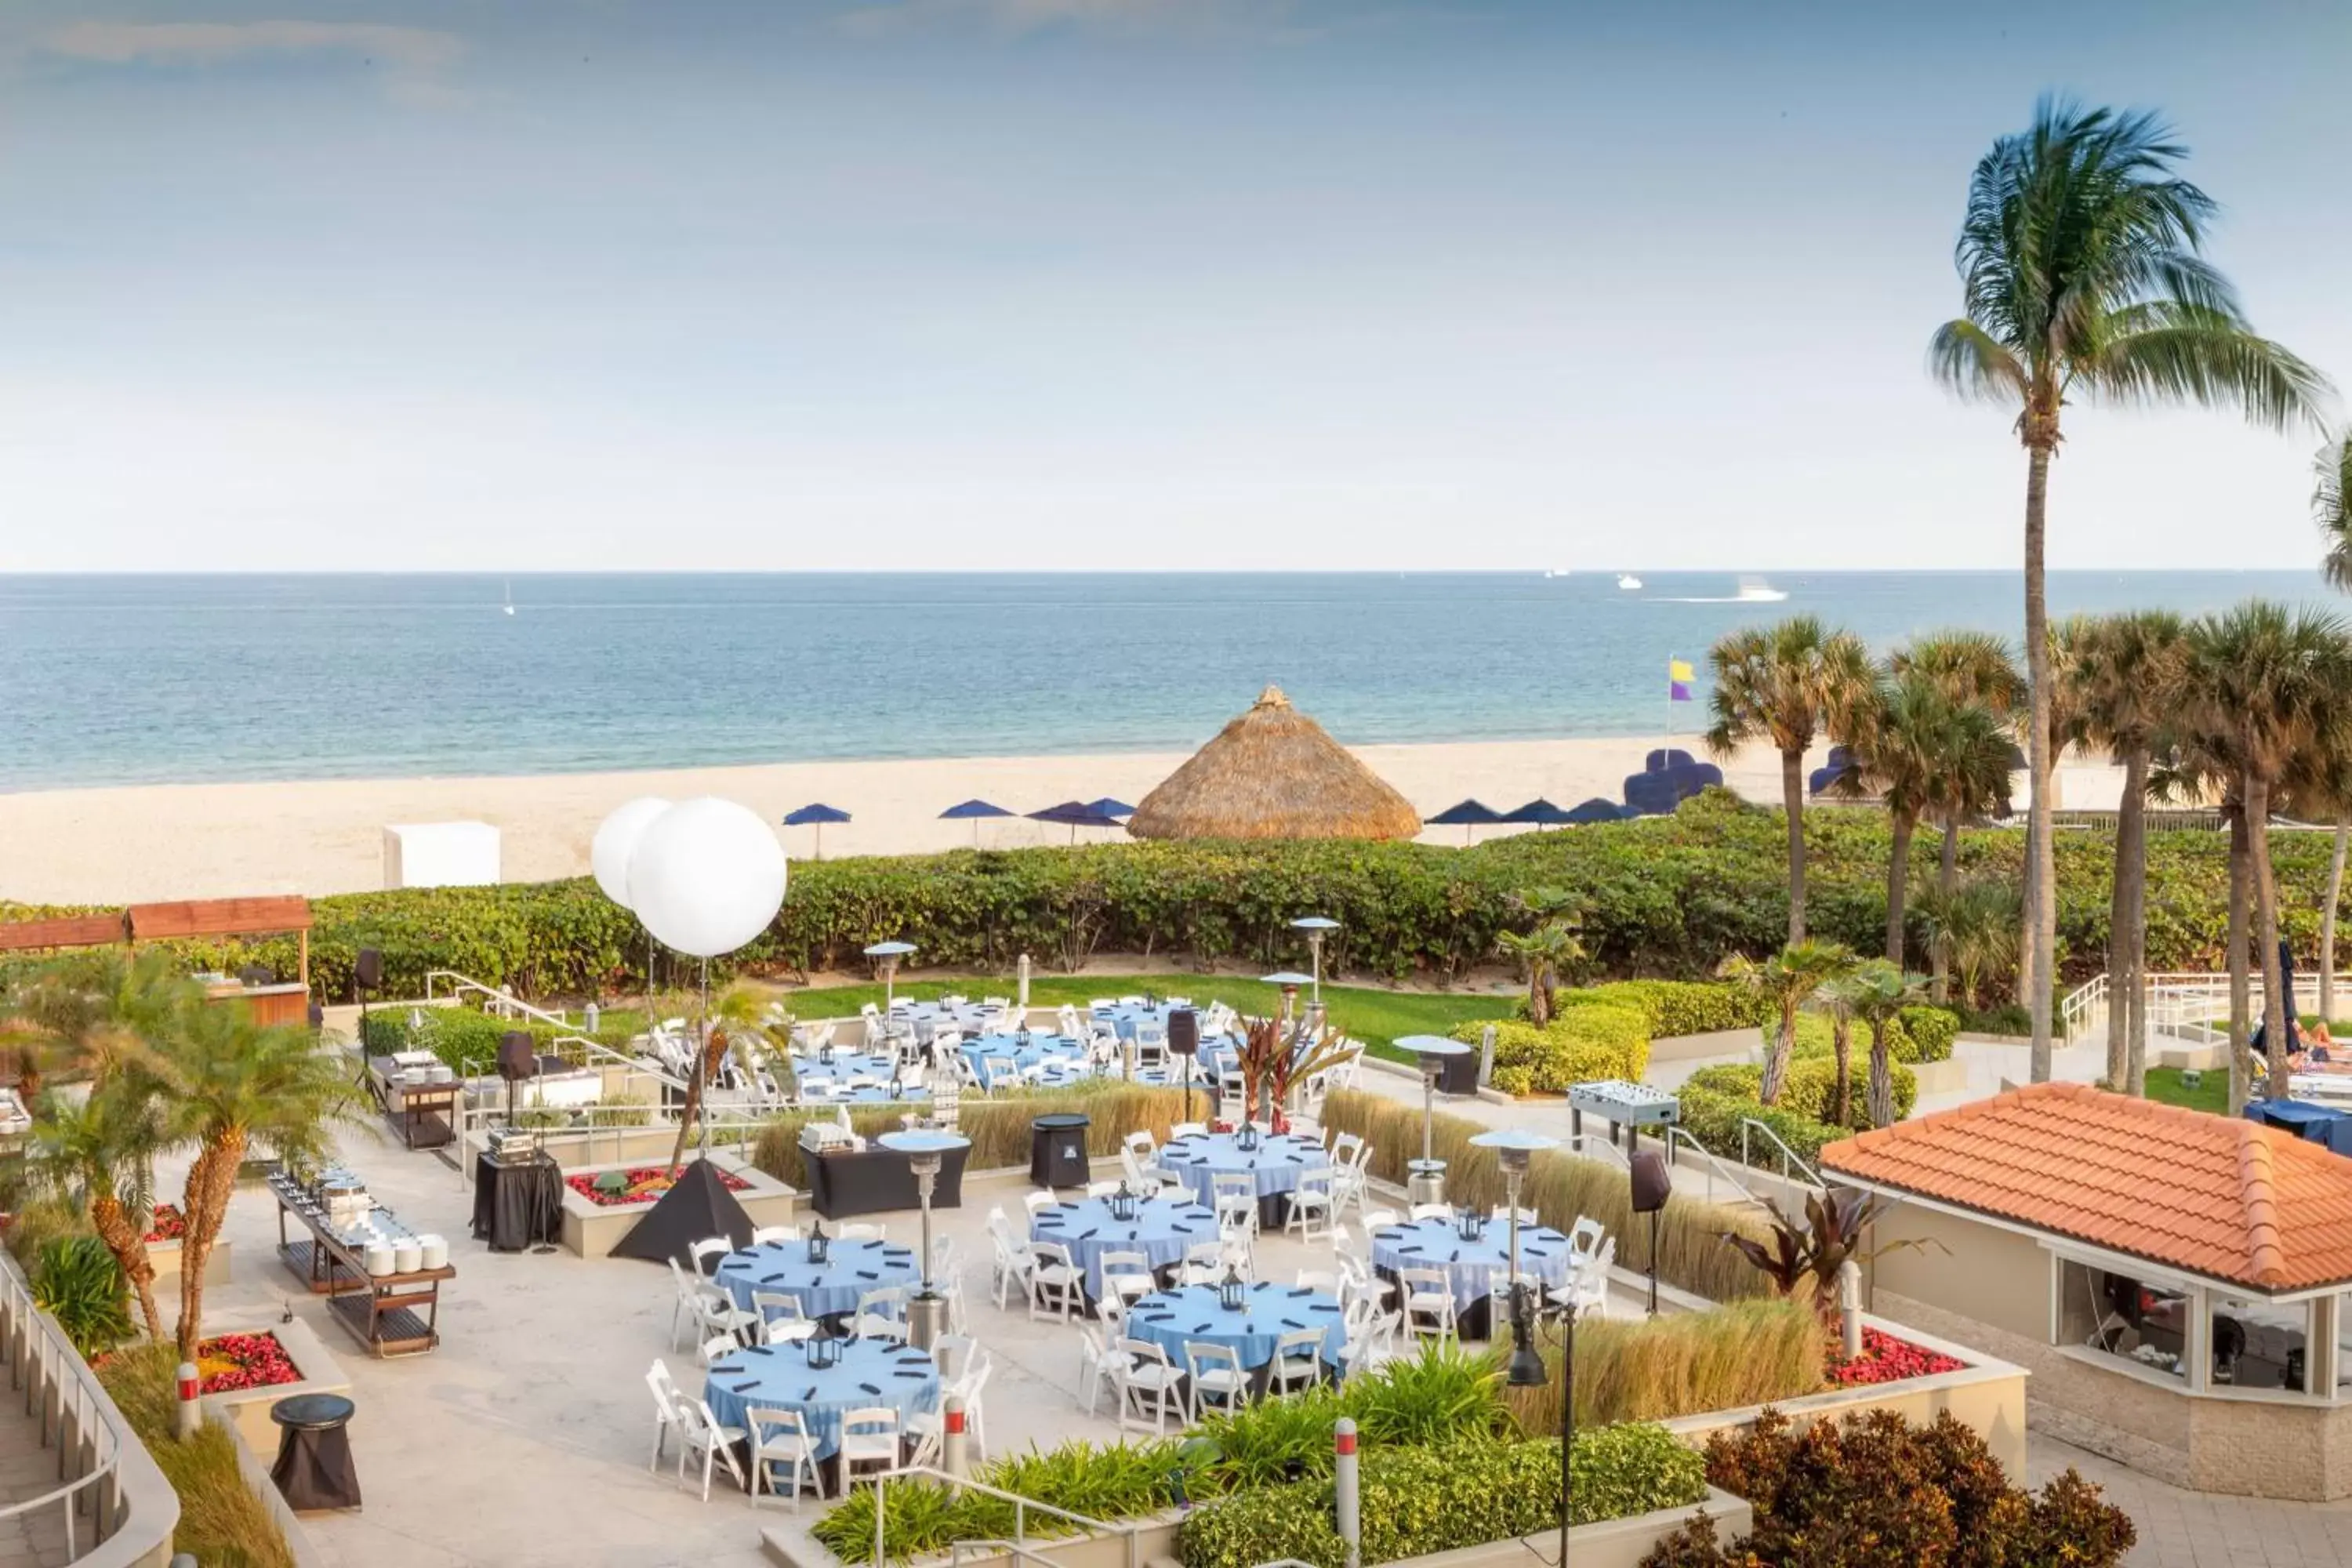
2202 360
1970 363
2331 508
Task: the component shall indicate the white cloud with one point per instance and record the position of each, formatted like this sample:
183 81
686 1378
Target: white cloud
214 43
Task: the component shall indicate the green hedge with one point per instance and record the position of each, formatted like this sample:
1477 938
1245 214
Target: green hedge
1686 1006
1416 1501
1931 1030
1658 896
1585 1040
468 1039
1810 1084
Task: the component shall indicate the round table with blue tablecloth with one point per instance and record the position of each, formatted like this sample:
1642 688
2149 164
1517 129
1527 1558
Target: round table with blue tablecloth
1062 1059
1160 1230
929 1017
1475 1268
1274 1165
870 1373
1170 1318
829 1289
845 1065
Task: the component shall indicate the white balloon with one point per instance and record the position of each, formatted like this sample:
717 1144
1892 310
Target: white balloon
616 840
707 876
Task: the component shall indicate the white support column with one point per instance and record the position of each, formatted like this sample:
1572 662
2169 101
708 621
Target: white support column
2197 1345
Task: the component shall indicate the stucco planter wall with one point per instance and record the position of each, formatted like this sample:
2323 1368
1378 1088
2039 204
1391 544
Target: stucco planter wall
592 1229
1747 1043
166 1257
248 1409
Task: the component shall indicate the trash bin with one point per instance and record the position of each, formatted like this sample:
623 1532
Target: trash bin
1058 1150
314 1453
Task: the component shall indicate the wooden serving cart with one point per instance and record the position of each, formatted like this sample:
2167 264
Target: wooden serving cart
391 1314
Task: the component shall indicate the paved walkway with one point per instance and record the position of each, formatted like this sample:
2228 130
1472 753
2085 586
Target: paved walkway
27 1470
2197 1529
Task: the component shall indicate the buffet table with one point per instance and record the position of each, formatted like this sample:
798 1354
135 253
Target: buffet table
381 1310
517 1204
844 1181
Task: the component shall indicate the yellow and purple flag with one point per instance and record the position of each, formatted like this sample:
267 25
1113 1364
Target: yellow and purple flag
1678 679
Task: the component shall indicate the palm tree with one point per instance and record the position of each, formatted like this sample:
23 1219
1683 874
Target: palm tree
93 1013
1877 992
1784 683
2273 681
1925 752
100 1153
1545 950
238 1085
1834 999
2081 278
1787 980
1977 928
1974 667
2124 688
741 1016
2331 508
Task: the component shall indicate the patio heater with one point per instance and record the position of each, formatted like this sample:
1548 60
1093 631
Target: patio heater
1426 1183
1513 1146
1290 980
886 956
925 1148
1316 928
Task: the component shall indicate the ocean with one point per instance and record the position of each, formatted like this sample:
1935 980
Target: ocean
132 679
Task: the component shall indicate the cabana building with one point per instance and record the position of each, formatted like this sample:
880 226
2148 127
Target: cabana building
1273 772
2175 1282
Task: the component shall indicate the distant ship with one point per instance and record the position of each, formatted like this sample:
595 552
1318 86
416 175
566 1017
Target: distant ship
1627 581
1756 591
1560 572
509 604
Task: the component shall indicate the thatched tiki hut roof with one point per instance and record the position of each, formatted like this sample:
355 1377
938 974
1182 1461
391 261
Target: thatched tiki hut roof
1274 773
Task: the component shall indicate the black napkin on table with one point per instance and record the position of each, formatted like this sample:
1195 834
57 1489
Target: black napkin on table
1292 1323
744 1387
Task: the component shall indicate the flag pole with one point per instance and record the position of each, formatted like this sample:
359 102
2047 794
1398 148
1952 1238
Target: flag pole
1670 695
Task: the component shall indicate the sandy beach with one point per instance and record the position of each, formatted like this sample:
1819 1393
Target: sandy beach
108 845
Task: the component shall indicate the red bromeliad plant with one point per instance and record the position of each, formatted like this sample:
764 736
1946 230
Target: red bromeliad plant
168 1225
233 1362
1885 1359
645 1184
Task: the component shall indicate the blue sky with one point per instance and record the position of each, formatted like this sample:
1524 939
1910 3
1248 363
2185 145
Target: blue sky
1094 283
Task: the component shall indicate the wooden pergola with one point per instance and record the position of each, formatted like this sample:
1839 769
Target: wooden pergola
272 915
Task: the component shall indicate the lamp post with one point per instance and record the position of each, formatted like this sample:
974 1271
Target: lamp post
1290 980
925 1148
886 956
1514 1146
1316 928
1426 1183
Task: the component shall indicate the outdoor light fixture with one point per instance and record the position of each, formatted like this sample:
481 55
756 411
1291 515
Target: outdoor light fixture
1231 1292
820 1245
1316 928
1246 1139
925 1150
886 956
1427 1182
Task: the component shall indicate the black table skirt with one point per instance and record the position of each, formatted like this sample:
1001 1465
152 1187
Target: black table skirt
517 1207
314 1468
877 1181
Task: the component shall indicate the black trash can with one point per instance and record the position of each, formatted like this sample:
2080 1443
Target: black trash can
314 1453
1058 1150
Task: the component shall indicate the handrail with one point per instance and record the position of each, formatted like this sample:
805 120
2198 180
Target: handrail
80 1422
506 1002
1788 1156
1679 1137
1020 1506
728 1126
2084 1008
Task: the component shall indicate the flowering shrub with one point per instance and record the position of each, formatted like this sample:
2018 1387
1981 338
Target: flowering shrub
170 1224
646 1183
1885 1359
232 1361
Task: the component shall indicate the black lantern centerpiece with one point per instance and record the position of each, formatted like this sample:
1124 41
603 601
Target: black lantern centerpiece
1232 1294
1470 1224
1246 1139
824 1353
1122 1204
820 1245
824 1053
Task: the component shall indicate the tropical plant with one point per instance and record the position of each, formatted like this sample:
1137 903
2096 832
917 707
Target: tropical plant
744 1018
1786 981
1807 1257
1834 999
222 1519
2331 509
2081 278
2270 684
1544 950
1976 928
93 1014
1784 683
238 1085
1880 994
1972 670
100 1154
77 1282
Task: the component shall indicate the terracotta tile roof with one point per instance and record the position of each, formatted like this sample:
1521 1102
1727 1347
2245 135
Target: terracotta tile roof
2215 1195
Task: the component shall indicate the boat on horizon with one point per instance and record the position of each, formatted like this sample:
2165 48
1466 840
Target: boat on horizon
1627 581
1756 591
510 604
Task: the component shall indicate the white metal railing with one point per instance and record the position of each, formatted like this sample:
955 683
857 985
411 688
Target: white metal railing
1713 1164
94 1445
1789 1158
2084 1010
728 1127
2184 1004
496 1001
1022 1506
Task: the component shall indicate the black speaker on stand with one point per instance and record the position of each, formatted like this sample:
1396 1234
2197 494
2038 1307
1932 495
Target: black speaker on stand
1652 1184
518 1061
1184 1040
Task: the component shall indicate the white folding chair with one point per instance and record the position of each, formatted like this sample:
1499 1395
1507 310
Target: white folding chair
1587 1290
862 1232
789 1445
1313 1206
1127 1278
1324 1279
882 1314
717 1313
951 1352
712 1248
1057 1286
1428 1302
774 1234
1431 1210
1102 1189
1038 1202
1501 1214
1098 1368
685 1307
782 1318
700 1433
665 1413
1297 1361
1381 1219
715 1347
868 1436
1218 1376
1187 1130
1011 1268
1148 1377
1204 1264
1584 1238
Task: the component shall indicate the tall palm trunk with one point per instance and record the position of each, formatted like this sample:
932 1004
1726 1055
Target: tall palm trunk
212 1180
1775 1061
112 1223
1841 1043
1898 872
1947 877
2240 995
2042 904
1882 1077
1792 802
2327 920
2131 899
2276 1034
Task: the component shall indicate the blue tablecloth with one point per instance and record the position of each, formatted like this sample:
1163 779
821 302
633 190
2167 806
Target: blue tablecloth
1276 1163
1170 1318
852 1268
845 1065
1161 1231
1473 1268
927 1016
1216 1050
777 1377
1064 1058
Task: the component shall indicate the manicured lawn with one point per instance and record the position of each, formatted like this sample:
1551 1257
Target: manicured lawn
1374 1017
2164 1084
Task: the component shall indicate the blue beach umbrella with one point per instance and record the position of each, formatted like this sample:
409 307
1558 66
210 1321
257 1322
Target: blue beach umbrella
972 811
1539 812
816 816
1600 808
1467 815
1077 813
1111 806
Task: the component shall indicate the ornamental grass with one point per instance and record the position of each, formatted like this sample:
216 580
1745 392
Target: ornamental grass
1681 1363
998 1126
1560 1187
222 1520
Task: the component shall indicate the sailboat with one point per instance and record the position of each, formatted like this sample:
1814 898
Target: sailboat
1627 581
509 604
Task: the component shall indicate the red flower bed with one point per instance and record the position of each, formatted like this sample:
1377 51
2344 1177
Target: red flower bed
243 1361
646 1183
170 1224
1885 1359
